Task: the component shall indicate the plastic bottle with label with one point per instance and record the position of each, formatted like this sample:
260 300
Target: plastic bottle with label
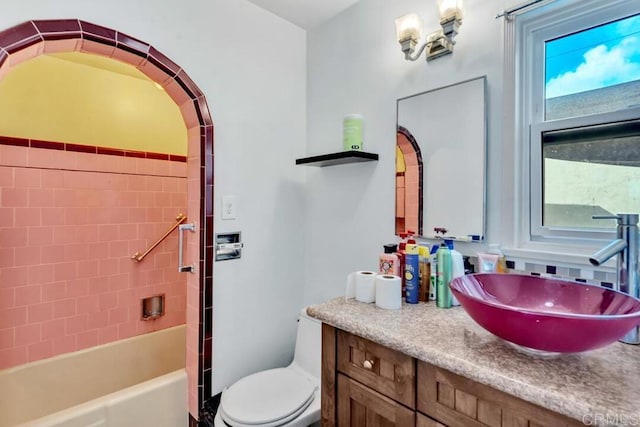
457 268
433 282
443 293
501 264
389 261
425 273
412 273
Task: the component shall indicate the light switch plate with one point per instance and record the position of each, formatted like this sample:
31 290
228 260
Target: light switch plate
229 207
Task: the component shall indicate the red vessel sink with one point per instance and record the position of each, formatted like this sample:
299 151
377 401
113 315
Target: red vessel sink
546 314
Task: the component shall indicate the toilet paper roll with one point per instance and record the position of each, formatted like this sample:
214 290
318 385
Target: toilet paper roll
362 286
388 291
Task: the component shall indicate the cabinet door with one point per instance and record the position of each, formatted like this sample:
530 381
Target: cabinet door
359 406
457 401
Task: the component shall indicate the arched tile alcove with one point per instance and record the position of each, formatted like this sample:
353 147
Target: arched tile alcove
33 38
411 195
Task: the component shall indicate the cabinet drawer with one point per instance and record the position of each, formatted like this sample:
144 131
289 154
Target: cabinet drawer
458 401
387 371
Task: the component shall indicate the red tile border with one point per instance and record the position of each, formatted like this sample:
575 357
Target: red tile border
139 154
98 33
81 148
49 145
58 26
162 62
188 85
130 44
20 35
157 156
65 146
8 140
53 29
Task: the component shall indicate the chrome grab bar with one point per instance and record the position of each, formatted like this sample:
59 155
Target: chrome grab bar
181 267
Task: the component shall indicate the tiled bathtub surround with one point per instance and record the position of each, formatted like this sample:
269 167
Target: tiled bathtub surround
67 281
30 39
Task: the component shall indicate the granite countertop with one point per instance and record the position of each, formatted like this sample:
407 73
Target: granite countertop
599 383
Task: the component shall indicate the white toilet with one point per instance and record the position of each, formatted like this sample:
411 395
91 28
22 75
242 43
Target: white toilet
287 397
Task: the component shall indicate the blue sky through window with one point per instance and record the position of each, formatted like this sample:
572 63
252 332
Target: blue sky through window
594 58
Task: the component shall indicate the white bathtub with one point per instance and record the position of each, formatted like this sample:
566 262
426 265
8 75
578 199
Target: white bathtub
137 382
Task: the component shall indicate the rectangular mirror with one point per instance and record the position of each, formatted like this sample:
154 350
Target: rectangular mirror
440 161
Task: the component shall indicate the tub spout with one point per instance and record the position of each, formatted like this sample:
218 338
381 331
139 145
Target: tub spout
626 247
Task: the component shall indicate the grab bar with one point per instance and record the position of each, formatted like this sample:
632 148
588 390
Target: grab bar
181 267
137 257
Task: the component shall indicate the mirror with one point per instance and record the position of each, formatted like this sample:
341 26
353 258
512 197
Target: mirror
440 161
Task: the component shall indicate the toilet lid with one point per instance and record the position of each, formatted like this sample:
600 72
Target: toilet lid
267 398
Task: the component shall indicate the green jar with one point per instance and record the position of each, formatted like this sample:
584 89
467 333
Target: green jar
352 132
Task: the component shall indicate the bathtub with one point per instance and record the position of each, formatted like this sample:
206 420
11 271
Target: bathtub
137 382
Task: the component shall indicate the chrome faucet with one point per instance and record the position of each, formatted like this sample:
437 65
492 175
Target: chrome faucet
626 246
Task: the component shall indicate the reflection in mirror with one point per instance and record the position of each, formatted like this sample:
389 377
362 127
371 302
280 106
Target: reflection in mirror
440 161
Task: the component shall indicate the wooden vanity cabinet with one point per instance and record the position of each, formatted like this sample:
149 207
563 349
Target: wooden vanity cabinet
458 401
365 384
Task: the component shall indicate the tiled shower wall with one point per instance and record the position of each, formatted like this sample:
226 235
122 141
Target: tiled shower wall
69 223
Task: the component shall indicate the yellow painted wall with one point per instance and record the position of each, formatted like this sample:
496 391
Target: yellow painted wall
400 164
91 100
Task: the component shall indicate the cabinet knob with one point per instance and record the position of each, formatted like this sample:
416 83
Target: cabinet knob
367 364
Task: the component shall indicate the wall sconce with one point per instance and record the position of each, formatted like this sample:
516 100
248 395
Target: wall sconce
439 43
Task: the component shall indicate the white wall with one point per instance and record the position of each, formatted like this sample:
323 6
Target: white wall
254 81
355 65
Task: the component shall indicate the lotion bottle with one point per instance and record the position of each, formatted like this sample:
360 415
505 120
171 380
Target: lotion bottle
457 268
501 264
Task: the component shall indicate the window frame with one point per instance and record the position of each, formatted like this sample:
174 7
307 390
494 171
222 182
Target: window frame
532 30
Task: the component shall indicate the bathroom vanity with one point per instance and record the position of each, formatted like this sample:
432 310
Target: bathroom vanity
425 366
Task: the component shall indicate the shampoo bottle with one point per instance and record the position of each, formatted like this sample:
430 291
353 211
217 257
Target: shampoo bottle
457 268
389 262
401 255
433 282
443 293
425 273
412 273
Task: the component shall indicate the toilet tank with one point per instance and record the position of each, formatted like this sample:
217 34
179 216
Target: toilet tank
308 351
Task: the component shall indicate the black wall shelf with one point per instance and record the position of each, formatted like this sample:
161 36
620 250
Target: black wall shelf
340 158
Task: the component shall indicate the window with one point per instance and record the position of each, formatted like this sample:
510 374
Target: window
579 77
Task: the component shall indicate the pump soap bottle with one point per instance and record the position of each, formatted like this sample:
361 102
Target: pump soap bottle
389 262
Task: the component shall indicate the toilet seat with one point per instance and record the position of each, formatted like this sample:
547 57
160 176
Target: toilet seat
267 399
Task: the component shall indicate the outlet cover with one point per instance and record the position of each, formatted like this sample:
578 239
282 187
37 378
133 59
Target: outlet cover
229 207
